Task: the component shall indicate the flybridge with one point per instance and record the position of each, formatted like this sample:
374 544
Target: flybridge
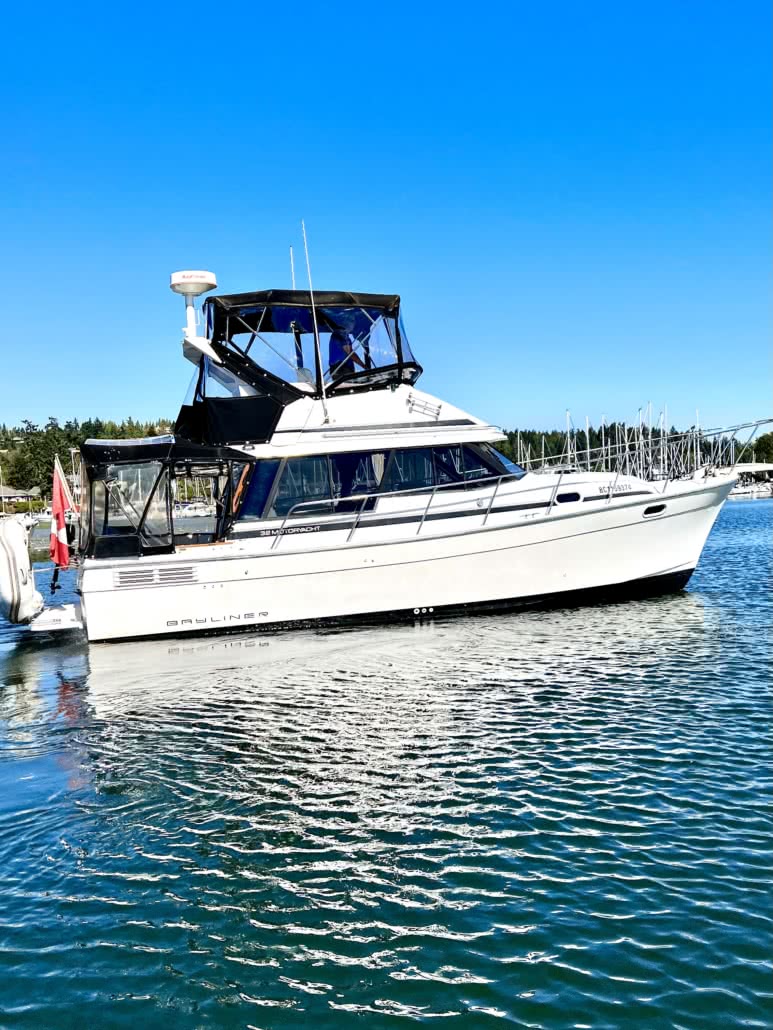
261 351
341 340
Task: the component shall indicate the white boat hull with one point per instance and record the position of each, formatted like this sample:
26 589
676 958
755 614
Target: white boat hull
592 548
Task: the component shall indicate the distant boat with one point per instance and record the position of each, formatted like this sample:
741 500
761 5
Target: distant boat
751 490
196 510
28 519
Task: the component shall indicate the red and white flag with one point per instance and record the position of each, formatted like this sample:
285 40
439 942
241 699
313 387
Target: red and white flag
61 500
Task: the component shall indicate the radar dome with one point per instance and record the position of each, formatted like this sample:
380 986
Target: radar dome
192 284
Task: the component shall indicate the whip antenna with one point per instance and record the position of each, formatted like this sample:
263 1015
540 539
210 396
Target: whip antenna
314 320
292 268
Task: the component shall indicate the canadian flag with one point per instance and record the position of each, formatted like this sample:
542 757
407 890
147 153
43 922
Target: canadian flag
61 500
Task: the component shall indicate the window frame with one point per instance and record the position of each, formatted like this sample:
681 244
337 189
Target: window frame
134 543
487 460
270 502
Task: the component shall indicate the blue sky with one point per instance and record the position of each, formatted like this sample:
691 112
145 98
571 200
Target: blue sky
572 198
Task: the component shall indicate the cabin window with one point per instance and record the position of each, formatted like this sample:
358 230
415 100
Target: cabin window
505 465
410 470
475 466
303 480
449 465
259 488
358 473
335 477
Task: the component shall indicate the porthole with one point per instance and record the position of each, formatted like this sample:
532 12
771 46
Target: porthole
565 498
654 509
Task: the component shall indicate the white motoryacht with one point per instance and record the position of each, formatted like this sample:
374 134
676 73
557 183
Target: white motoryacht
343 491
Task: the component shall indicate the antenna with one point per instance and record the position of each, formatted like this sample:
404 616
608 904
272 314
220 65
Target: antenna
316 328
292 268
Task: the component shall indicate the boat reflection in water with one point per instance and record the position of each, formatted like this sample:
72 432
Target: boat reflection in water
449 818
333 726
526 650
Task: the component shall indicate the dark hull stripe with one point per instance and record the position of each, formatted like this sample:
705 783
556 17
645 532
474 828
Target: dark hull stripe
369 522
649 586
482 532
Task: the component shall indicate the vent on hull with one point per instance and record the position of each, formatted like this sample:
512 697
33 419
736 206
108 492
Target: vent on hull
166 576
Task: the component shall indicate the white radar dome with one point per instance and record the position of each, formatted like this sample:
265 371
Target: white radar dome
192 284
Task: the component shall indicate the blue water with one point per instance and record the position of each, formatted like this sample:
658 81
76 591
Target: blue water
533 820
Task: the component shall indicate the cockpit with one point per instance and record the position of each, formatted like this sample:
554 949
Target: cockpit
142 496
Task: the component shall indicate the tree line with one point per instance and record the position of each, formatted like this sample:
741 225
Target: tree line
27 451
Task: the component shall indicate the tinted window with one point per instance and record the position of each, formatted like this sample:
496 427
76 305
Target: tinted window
321 477
449 465
259 488
501 463
410 470
303 479
475 466
359 473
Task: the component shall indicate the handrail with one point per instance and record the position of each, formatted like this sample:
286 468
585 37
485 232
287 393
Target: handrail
424 515
357 520
362 498
376 495
555 492
678 468
491 501
461 484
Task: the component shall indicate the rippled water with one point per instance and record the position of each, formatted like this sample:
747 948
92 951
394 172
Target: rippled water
539 820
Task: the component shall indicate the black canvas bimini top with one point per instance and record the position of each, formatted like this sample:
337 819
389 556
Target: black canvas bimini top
154 448
245 304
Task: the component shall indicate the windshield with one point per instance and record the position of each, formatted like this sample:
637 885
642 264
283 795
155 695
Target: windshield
357 344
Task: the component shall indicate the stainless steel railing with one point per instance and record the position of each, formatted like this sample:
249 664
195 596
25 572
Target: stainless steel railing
375 496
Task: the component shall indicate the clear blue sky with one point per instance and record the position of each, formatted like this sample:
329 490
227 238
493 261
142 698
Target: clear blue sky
573 199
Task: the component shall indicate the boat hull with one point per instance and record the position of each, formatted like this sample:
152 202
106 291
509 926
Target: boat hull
606 553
